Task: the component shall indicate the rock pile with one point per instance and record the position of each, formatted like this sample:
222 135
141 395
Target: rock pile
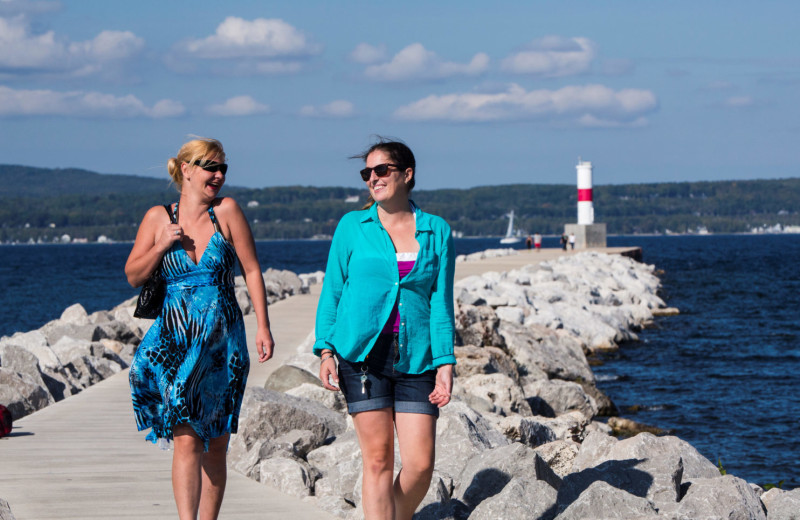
520 439
77 350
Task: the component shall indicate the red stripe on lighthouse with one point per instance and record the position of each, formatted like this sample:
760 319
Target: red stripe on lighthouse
585 195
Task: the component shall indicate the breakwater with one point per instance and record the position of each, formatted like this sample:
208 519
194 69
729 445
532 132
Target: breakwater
641 333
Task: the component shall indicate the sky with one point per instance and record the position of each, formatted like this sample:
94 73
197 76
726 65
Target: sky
484 93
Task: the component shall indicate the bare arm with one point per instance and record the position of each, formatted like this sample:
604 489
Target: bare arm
242 240
155 236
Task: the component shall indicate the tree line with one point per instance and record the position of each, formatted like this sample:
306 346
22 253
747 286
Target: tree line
43 204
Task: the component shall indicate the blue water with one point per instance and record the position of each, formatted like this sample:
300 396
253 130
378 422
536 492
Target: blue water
723 374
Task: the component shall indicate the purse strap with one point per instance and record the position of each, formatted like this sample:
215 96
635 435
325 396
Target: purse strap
172 217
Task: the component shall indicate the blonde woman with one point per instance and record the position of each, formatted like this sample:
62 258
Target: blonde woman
189 373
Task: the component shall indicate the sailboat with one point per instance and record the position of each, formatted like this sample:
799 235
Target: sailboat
510 237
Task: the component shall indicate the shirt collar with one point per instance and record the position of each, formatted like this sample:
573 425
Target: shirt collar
422 218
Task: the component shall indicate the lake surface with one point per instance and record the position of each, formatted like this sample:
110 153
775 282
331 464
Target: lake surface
723 375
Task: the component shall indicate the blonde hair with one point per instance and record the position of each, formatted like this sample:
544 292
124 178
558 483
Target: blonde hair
190 152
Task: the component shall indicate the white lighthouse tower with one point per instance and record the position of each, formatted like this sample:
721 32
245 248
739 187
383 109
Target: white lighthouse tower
585 204
587 233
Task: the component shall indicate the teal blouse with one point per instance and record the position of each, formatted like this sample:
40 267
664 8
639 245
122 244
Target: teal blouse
362 284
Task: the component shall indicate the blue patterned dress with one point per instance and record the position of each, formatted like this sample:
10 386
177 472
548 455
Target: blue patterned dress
191 367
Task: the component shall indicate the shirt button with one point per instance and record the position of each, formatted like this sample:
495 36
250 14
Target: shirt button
395 283
401 304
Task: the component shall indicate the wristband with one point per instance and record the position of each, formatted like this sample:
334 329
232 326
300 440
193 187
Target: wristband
325 356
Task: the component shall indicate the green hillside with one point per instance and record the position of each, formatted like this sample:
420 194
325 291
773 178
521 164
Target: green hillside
43 204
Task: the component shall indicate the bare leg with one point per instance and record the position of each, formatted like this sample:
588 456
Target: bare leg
375 430
186 462
416 434
215 475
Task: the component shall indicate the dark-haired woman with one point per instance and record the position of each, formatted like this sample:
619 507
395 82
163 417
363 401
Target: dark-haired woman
385 315
190 370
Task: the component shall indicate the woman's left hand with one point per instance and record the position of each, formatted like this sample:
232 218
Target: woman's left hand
265 344
444 386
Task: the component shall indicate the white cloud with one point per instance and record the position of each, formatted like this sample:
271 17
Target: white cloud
81 104
590 105
368 54
335 109
552 56
239 106
739 101
416 63
23 52
259 38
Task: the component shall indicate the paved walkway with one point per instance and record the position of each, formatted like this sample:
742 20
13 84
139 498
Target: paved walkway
82 457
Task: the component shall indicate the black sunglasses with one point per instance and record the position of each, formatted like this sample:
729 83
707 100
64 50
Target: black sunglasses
211 166
382 170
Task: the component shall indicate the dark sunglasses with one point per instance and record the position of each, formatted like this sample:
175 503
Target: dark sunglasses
382 170
211 166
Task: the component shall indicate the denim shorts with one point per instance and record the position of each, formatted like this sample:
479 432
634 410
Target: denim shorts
384 387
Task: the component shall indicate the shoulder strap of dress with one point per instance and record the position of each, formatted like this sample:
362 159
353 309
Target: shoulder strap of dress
173 213
214 219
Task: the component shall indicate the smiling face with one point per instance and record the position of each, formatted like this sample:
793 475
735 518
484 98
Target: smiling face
392 187
206 183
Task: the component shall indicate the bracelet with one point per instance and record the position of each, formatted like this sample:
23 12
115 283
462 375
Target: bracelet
325 356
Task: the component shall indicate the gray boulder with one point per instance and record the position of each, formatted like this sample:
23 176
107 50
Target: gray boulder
461 433
559 455
339 464
314 392
5 511
783 505
487 474
498 389
553 397
289 475
21 394
269 414
286 377
537 348
520 498
19 360
598 448
726 497
472 360
603 500
476 324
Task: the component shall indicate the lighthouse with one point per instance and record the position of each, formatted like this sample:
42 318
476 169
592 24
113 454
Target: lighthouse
585 204
587 233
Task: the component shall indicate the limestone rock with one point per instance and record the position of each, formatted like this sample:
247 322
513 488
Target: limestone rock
554 397
721 497
784 505
461 432
476 324
472 360
505 395
286 377
604 500
5 511
538 348
20 393
290 476
315 392
559 455
487 474
520 498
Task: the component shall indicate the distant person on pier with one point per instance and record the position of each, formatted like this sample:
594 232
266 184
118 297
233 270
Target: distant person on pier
564 241
529 242
189 372
385 317
537 241
572 240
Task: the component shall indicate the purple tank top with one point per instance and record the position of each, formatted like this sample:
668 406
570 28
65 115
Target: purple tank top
404 266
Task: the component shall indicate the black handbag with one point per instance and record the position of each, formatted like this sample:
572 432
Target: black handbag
151 299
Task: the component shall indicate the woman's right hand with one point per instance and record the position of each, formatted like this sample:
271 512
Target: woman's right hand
168 235
327 371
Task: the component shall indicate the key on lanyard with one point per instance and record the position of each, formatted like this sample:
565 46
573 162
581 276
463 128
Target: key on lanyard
364 379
